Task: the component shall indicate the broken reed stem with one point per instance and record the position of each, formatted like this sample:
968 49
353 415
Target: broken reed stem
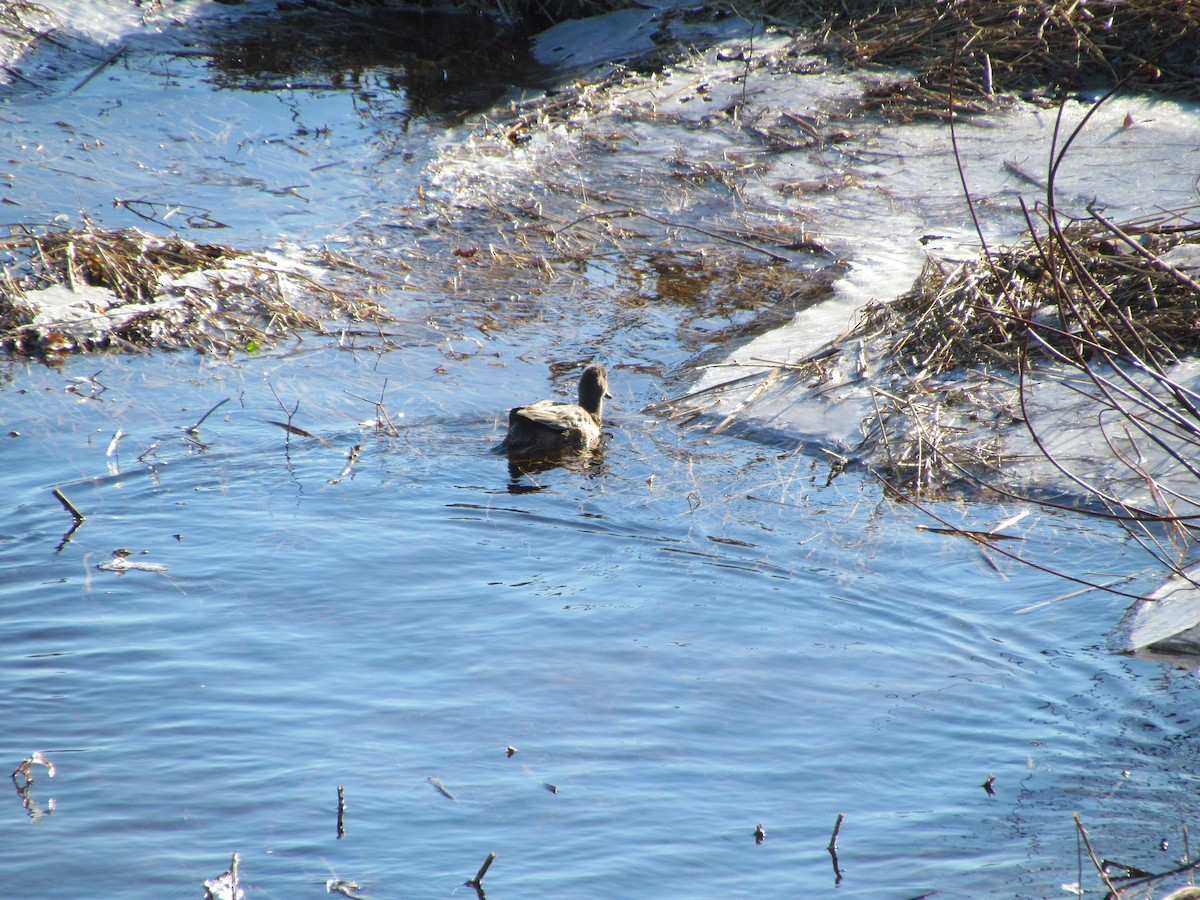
837 827
1151 258
69 506
477 880
1187 854
1092 853
233 874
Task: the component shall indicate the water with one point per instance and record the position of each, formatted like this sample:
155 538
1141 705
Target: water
733 643
687 638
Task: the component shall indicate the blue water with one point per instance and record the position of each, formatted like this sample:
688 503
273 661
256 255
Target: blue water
687 638
733 643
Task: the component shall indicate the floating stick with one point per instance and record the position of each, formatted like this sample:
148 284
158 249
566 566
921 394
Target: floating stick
100 68
441 788
1092 853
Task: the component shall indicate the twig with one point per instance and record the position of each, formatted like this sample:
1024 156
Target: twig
667 223
478 879
99 68
341 811
288 428
837 827
69 506
300 432
908 498
1187 854
1096 862
754 395
832 848
1143 252
381 414
200 421
351 459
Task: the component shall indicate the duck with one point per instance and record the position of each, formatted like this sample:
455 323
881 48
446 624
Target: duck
546 427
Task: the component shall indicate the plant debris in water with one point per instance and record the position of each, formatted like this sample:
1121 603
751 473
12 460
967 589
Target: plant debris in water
64 290
1097 288
1087 297
975 49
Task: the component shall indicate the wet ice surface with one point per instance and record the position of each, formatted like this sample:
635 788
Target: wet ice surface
695 636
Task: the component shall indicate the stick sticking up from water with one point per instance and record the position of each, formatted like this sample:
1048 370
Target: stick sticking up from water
837 827
69 506
341 829
832 848
477 881
200 421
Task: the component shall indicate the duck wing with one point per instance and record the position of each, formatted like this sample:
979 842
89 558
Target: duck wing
557 416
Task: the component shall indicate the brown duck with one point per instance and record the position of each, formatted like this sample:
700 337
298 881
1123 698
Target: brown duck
546 427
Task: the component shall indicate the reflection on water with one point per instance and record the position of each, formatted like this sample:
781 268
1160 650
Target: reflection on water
443 62
524 469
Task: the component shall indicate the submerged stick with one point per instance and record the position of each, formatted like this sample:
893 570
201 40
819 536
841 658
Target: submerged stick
69 506
476 881
1187 851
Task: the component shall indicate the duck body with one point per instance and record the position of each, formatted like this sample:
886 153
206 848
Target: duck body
546 427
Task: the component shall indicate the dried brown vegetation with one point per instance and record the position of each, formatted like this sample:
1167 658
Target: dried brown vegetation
123 289
1093 288
975 49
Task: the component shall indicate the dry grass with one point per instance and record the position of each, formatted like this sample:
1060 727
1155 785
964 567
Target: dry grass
229 300
971 50
1103 301
1110 308
1085 291
975 49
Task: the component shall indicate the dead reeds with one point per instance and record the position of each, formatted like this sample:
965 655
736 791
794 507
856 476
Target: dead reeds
87 288
1090 288
1101 308
1107 311
976 49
